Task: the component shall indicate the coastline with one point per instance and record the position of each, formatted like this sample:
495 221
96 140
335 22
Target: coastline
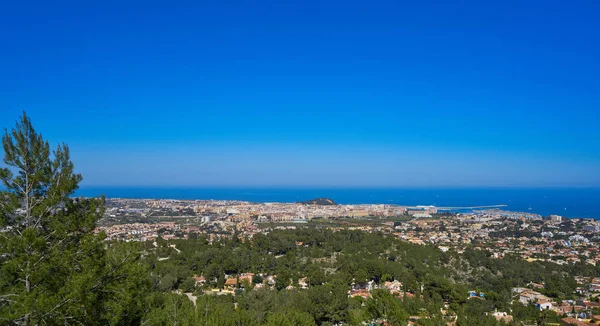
566 202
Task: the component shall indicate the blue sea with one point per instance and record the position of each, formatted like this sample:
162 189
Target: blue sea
568 202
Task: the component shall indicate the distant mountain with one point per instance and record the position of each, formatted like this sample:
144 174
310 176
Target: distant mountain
319 201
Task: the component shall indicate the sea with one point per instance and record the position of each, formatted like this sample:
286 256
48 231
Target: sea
567 202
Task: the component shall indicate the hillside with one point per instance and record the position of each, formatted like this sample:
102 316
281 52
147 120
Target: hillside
319 201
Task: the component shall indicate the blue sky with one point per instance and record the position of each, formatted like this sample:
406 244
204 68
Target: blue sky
303 93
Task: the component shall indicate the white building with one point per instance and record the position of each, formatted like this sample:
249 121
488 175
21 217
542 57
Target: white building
555 218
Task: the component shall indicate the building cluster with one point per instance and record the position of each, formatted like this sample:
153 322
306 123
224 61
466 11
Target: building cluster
560 242
553 239
500 233
579 309
140 219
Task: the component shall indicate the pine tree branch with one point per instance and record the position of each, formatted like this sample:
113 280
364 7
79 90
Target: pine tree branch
18 186
4 297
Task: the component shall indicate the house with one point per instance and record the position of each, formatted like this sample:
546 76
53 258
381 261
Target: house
543 305
527 295
303 283
246 277
200 280
240 279
363 286
563 309
270 280
231 282
536 285
363 293
395 287
591 305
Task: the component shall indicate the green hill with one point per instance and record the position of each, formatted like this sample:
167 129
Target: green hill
319 201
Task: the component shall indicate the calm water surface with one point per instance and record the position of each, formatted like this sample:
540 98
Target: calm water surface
571 202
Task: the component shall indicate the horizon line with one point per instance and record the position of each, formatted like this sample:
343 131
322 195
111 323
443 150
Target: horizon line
347 186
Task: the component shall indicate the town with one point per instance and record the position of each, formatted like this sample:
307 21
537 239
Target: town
496 232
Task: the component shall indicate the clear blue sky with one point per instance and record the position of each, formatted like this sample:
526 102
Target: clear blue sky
303 93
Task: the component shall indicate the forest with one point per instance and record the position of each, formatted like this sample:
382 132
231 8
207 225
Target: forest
435 284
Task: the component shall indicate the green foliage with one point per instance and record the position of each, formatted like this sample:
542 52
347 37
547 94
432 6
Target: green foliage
331 261
167 283
385 306
53 268
169 309
188 285
289 318
257 279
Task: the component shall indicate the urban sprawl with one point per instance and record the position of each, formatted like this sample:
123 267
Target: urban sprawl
531 236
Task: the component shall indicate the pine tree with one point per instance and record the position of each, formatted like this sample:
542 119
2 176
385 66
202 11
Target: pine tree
53 268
